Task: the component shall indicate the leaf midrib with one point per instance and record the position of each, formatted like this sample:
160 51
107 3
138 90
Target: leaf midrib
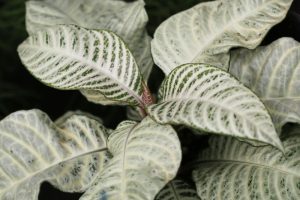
18 182
123 174
203 162
176 195
59 51
210 102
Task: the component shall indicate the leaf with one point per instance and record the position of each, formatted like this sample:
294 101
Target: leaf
127 19
78 174
33 150
133 113
73 58
206 32
209 99
177 190
230 169
146 157
77 113
272 72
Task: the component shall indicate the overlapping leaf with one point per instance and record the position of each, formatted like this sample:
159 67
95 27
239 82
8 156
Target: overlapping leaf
134 114
146 157
80 132
33 150
177 190
272 72
230 169
71 57
209 99
207 31
127 19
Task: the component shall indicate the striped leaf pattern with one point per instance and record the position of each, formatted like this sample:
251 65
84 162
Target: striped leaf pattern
80 133
127 19
33 150
272 72
133 113
177 190
230 169
74 58
208 30
209 99
146 157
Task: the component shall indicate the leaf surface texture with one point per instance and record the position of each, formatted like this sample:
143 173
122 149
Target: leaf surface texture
33 150
206 32
230 169
272 72
146 156
209 99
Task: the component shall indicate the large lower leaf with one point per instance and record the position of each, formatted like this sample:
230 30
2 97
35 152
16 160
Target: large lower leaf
206 31
70 57
33 150
127 19
80 132
272 72
209 99
230 169
146 157
177 190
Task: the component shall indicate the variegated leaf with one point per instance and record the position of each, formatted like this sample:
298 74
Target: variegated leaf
207 31
177 190
71 57
33 150
127 19
230 169
146 157
80 133
209 99
134 113
272 72
62 119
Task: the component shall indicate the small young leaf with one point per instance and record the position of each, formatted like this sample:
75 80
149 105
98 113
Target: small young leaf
71 57
207 31
146 157
230 169
127 19
133 113
272 72
209 99
177 190
33 150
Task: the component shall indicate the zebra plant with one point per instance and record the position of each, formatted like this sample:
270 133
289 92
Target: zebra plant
242 97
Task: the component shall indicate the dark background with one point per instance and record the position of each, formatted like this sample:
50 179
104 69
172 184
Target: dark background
19 90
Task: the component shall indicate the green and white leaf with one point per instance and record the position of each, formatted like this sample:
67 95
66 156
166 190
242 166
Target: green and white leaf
177 190
60 121
211 100
272 72
133 113
206 32
146 157
230 169
127 19
80 132
33 150
74 58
